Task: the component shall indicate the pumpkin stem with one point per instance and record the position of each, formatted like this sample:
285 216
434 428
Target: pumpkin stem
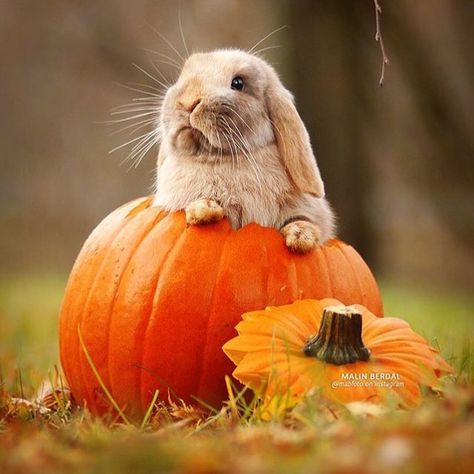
339 340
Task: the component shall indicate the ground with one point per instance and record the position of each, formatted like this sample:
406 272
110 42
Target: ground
315 437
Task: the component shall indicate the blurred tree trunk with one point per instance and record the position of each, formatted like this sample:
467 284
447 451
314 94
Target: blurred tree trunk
329 74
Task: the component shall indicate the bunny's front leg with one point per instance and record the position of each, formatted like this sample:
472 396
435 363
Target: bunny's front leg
301 236
203 211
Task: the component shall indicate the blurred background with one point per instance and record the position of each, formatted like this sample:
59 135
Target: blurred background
398 161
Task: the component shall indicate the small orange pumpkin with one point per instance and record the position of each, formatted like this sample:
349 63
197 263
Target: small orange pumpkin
154 300
346 352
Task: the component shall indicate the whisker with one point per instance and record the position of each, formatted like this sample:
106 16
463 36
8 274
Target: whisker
132 113
130 109
134 150
168 42
217 134
148 86
134 107
259 51
229 142
144 150
136 90
143 146
182 33
126 119
133 140
161 55
167 82
231 137
151 100
142 113
141 100
137 107
147 136
168 63
266 37
240 117
141 124
149 75
244 148
246 151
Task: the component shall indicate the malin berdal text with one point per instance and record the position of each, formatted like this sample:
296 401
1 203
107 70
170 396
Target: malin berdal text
371 376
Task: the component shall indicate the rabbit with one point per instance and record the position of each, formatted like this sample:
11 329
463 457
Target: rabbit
233 144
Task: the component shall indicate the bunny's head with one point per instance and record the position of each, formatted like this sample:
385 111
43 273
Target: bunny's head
228 105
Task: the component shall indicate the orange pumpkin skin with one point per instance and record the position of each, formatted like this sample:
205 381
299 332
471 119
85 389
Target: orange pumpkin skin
154 300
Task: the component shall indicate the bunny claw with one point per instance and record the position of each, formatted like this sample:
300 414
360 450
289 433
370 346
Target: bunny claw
203 211
301 236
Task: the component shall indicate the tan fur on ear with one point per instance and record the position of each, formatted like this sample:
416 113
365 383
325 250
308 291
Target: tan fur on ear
292 139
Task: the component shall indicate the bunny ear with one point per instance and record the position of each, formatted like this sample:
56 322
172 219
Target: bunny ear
293 140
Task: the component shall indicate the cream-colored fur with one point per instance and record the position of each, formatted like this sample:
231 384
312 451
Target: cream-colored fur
248 151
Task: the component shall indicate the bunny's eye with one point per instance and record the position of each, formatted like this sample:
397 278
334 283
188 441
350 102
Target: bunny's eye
237 83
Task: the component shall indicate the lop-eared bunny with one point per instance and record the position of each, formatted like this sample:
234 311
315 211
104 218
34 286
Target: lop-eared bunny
233 144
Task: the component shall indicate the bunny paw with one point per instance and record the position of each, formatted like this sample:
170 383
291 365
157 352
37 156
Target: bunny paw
203 211
301 236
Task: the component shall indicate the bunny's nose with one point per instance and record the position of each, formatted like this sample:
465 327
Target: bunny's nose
189 105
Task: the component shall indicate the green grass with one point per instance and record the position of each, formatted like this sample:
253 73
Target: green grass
446 319
29 307
318 438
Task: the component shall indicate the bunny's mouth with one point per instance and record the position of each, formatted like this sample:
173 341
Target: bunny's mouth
193 141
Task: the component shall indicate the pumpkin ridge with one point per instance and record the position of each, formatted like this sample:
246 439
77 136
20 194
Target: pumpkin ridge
128 218
71 341
341 249
148 323
266 270
156 220
325 259
322 278
211 311
133 307
300 276
370 285
292 272
82 361
143 206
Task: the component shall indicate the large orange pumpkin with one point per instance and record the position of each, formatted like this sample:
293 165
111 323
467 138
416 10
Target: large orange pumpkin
150 302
